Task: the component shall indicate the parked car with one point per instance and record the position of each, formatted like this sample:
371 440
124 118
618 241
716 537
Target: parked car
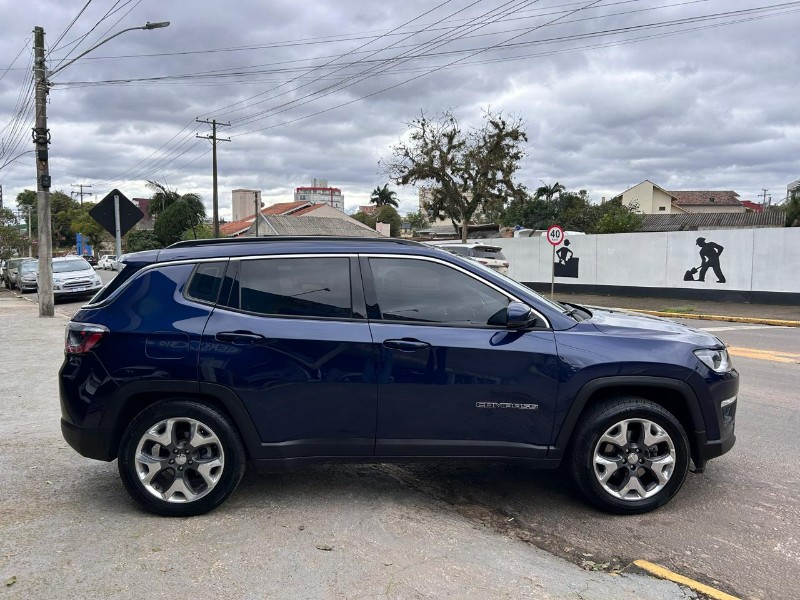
27 275
491 256
290 351
107 261
11 270
3 263
73 276
91 259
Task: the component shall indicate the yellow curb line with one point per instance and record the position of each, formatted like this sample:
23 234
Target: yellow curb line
754 320
664 573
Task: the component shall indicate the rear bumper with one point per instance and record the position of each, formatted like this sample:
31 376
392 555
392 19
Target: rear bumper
91 443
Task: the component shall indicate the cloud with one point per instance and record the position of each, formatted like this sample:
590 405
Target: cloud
713 108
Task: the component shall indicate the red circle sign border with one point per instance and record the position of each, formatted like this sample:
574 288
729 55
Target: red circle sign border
551 228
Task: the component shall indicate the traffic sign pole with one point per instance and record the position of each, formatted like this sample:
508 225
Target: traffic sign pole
116 225
555 235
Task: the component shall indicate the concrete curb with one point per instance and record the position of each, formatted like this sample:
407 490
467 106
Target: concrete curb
664 573
753 320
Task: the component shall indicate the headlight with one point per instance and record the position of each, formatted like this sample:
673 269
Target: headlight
716 360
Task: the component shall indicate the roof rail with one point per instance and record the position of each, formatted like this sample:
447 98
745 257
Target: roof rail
291 238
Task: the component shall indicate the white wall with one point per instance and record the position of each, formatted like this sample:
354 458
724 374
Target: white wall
758 260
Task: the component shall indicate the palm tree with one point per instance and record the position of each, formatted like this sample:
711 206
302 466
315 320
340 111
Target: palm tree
549 191
383 196
163 197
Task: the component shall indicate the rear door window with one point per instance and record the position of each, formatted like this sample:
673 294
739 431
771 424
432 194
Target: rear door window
295 287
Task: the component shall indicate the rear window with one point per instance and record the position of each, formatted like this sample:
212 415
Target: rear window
488 252
460 250
207 281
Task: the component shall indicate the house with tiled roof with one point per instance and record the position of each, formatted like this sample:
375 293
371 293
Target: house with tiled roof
267 222
652 199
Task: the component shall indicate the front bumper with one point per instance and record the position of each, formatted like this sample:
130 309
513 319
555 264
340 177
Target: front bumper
77 291
724 400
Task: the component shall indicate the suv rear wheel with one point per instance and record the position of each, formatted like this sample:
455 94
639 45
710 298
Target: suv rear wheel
181 458
630 455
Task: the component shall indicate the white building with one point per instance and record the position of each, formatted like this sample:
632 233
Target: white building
243 203
320 193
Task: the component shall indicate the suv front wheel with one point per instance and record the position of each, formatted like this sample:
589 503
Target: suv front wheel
630 455
181 458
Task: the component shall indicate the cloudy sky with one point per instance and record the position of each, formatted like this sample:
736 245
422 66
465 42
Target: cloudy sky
691 94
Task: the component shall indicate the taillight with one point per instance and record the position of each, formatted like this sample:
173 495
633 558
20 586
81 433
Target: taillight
82 337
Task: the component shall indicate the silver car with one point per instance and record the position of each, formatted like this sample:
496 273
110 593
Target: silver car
72 275
27 275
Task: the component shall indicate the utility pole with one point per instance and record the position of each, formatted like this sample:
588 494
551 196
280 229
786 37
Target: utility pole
30 241
1 196
214 139
258 209
41 138
81 193
764 196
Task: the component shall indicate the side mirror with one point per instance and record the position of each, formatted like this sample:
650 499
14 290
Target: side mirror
519 316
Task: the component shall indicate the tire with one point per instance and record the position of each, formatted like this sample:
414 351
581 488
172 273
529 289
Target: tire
169 475
629 455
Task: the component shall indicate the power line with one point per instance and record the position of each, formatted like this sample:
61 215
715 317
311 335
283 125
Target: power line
78 16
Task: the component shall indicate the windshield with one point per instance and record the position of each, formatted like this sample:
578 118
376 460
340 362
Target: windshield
27 267
64 266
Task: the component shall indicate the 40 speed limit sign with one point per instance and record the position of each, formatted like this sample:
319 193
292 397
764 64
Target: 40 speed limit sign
555 235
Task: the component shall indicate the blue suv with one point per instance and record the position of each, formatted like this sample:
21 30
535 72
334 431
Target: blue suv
289 351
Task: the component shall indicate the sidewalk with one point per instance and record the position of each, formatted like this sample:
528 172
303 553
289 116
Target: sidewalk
671 306
68 529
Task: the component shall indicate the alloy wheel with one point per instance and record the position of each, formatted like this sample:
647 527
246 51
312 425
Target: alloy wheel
634 459
179 460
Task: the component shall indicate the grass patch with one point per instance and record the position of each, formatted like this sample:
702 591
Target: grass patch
678 309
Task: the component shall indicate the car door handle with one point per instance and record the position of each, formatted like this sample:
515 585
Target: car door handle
406 345
241 338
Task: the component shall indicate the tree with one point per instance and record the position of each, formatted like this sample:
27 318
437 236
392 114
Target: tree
793 210
362 217
81 222
548 192
467 171
417 220
10 239
173 222
60 207
617 217
388 214
532 213
382 196
141 239
201 232
163 197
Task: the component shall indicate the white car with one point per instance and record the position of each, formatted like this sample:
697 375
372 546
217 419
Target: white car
72 275
491 256
108 261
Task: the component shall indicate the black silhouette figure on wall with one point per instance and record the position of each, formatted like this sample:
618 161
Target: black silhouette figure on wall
709 259
567 263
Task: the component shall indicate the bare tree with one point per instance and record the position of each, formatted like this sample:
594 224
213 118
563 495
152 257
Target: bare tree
466 171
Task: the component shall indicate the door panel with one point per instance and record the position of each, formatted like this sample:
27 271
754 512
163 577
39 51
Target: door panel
309 386
464 391
293 346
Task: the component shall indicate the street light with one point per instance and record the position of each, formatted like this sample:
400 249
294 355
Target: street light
41 139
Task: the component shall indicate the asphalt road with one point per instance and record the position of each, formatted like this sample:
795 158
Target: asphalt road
736 526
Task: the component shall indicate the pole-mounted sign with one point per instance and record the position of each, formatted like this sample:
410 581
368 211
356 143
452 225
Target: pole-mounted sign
555 235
